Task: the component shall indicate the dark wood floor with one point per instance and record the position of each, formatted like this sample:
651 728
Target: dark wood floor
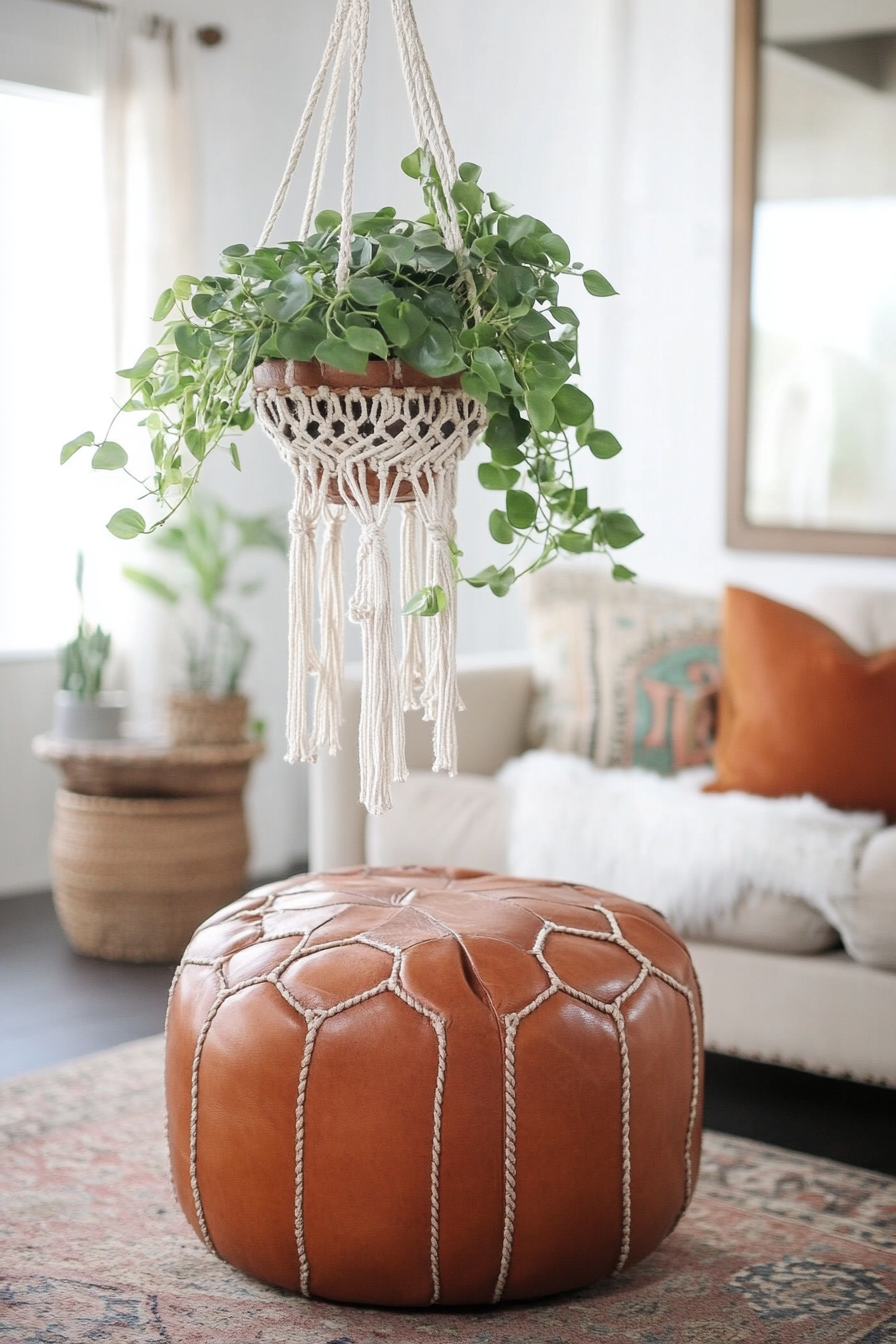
55 1005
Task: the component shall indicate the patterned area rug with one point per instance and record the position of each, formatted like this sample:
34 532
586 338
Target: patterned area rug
776 1247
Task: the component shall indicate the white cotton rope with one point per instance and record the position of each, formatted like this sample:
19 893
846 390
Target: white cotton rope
355 452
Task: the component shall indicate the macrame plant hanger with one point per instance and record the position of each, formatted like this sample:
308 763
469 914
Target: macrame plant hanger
359 450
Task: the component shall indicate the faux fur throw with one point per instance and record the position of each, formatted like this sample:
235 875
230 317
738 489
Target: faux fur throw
689 854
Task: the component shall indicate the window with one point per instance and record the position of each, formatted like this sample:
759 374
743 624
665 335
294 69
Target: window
55 353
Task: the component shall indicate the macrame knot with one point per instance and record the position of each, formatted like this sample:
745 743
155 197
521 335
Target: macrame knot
302 524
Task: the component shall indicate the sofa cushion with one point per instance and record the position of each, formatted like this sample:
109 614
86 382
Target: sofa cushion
867 923
626 673
802 711
463 822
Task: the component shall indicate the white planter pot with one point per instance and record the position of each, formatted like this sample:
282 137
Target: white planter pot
88 720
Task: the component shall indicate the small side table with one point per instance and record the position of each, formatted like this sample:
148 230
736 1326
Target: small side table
148 840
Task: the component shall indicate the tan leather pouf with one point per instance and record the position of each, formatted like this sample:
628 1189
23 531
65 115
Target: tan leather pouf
417 1086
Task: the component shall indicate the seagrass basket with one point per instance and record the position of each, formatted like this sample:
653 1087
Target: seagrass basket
207 718
134 877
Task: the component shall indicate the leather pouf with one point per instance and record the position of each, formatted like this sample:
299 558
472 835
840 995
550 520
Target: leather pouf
417 1086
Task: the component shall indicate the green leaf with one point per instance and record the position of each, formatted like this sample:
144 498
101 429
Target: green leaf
152 584
82 441
144 365
262 266
473 385
507 457
434 258
503 581
573 406
327 220
597 284
426 602
288 297
576 542
126 524
619 529
196 441
469 196
565 316
506 432
183 286
300 339
368 291
367 339
522 509
109 456
400 250
484 371
621 573
388 314
411 166
469 172
341 355
164 305
532 327
235 457
493 477
236 250
555 247
499 527
498 203
434 353
191 341
440 305
602 443
540 409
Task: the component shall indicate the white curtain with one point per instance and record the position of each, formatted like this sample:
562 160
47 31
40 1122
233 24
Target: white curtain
151 212
149 170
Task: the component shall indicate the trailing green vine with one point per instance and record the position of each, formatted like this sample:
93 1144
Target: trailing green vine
492 315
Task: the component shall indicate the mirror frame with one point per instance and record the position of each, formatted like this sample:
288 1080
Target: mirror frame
740 534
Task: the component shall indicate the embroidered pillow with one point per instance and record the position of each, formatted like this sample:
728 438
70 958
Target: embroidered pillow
802 711
627 673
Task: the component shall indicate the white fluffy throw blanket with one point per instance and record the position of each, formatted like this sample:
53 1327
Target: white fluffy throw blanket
689 854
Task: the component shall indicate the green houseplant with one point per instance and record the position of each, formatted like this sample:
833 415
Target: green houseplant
81 708
208 540
492 315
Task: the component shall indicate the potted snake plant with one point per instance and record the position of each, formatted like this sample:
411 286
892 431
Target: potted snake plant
82 710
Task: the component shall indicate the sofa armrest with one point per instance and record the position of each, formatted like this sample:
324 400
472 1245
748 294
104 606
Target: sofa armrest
497 693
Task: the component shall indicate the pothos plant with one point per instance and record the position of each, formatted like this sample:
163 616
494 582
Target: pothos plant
492 315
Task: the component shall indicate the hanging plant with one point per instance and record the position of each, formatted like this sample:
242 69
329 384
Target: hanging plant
513 344
374 350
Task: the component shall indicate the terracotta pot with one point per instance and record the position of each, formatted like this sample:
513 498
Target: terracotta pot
207 718
310 376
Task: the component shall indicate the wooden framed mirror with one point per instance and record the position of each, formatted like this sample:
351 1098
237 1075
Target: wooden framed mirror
812 392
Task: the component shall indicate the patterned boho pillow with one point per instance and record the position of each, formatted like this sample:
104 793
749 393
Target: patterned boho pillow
627 674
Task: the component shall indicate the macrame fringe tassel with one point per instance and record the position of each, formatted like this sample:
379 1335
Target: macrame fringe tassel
328 698
303 659
413 670
440 696
381 733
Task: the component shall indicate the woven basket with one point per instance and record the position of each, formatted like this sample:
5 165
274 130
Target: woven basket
207 718
134 877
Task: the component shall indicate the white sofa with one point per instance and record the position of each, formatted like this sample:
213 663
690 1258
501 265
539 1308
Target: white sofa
825 1012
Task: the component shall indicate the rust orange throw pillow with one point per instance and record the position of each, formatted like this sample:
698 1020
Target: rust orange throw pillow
801 711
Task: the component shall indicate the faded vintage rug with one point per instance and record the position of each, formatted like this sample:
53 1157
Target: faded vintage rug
776 1247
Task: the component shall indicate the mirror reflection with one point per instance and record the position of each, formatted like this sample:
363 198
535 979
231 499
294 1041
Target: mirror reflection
821 446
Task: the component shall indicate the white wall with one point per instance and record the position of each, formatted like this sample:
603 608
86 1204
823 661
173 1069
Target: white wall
609 118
